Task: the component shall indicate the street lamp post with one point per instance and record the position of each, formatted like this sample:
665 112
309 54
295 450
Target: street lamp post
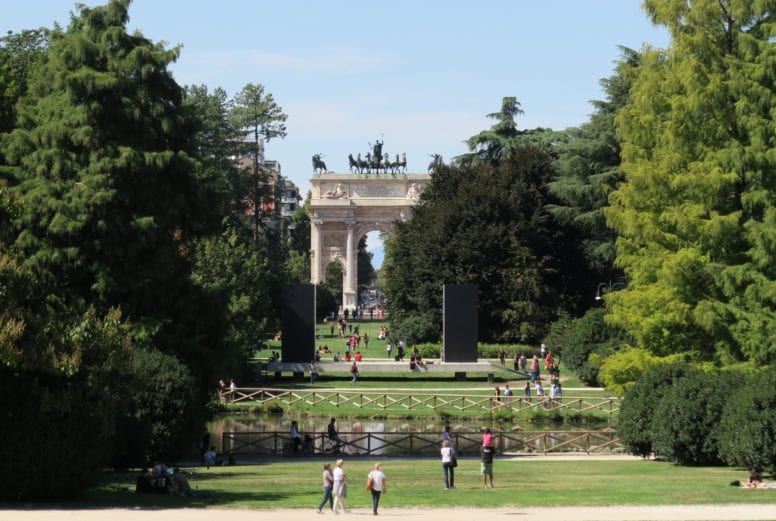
607 287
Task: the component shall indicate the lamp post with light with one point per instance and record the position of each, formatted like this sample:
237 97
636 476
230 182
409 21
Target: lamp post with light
607 287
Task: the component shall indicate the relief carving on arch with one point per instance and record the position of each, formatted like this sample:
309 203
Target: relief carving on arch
333 239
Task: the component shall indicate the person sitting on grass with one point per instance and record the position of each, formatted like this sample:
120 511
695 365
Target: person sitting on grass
210 458
755 481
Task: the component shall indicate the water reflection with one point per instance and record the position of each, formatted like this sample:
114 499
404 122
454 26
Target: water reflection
257 434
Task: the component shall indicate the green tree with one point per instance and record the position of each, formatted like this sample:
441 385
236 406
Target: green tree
366 272
20 53
585 336
485 224
218 141
255 112
103 156
637 411
298 261
588 167
686 424
236 273
747 430
492 144
695 214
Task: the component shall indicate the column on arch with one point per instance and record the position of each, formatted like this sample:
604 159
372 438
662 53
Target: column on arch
351 269
315 251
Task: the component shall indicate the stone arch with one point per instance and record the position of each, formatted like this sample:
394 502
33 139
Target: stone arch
345 207
334 260
364 229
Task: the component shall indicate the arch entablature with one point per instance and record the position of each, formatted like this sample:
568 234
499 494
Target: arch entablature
345 207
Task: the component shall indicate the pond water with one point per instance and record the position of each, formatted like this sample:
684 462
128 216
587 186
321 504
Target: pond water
377 436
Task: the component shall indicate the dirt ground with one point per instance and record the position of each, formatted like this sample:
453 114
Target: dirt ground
620 513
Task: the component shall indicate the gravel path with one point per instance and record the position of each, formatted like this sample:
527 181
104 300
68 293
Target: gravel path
619 513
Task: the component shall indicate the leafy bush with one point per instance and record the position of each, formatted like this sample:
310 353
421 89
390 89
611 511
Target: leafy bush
748 425
429 350
639 405
54 436
160 423
414 329
686 422
585 336
492 350
621 370
557 334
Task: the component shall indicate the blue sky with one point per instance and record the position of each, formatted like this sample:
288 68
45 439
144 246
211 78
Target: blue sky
418 74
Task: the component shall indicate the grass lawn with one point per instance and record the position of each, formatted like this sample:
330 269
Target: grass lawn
418 482
376 351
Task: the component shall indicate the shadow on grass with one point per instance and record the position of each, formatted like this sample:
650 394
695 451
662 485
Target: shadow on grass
122 499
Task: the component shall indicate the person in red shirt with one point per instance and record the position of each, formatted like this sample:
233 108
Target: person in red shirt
358 356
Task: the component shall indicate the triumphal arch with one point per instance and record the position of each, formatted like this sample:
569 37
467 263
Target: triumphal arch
345 207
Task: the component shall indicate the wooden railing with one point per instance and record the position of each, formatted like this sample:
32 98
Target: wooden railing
603 441
375 400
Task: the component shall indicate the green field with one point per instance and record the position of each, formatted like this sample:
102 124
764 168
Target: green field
418 482
406 382
523 481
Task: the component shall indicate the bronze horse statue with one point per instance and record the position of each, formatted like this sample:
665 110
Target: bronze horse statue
318 164
353 164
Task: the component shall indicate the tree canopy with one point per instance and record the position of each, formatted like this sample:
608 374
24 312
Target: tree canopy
485 224
695 213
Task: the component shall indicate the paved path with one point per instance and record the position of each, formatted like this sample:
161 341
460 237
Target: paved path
620 513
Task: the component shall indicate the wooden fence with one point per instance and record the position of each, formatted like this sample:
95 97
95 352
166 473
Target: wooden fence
381 401
603 441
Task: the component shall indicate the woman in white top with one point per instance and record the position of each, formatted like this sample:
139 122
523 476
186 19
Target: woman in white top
378 485
447 464
340 488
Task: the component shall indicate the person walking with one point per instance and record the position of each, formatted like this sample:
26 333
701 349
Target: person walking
328 485
447 464
486 465
376 485
446 436
339 487
507 394
354 373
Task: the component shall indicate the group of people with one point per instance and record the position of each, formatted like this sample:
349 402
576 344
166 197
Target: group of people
335 487
416 361
226 393
161 479
335 482
450 459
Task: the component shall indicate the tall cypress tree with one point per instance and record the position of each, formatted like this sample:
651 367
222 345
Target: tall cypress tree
103 163
588 168
696 214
